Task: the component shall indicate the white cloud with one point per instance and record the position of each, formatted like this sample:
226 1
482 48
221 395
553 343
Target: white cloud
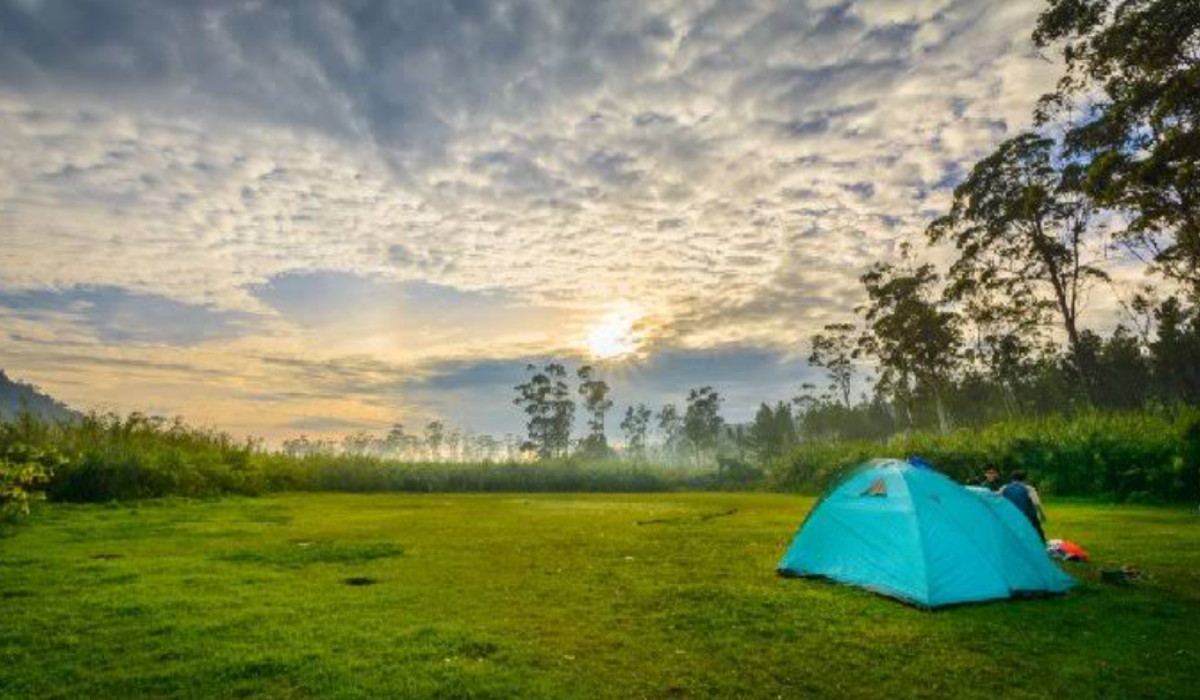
730 166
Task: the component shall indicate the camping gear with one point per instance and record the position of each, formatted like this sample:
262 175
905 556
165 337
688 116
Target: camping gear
1120 577
1066 549
914 534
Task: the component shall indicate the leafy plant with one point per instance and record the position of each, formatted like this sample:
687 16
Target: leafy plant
24 473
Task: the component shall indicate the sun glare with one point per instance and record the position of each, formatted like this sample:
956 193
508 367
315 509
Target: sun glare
614 336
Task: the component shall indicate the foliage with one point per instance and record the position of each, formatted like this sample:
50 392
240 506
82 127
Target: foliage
1133 455
546 400
24 473
435 434
915 340
366 475
773 431
1115 455
702 422
1022 230
636 425
137 456
596 402
670 424
834 350
1130 100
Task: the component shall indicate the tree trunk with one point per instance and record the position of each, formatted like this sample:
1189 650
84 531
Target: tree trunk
1066 308
943 423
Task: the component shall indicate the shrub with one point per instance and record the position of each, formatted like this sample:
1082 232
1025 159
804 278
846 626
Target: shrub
24 473
1143 455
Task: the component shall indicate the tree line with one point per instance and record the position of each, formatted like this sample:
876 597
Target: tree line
546 399
436 442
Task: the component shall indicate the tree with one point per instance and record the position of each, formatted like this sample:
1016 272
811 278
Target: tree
670 424
435 433
1123 372
595 393
834 351
702 422
1133 77
1175 352
396 440
635 426
915 340
454 441
546 400
773 431
357 444
1022 230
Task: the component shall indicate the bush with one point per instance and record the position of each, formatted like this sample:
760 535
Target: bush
1143 455
134 457
110 457
24 473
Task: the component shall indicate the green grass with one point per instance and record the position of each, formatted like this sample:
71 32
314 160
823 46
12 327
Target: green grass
528 596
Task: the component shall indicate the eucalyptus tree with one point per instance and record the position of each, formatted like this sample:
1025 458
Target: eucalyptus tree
1026 237
1130 100
596 402
702 422
546 400
635 425
914 338
670 424
435 434
834 350
396 440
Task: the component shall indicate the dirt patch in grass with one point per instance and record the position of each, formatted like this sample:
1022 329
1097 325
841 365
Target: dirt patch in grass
304 553
703 517
359 581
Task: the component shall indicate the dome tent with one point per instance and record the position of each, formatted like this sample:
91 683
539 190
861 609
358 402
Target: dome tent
908 531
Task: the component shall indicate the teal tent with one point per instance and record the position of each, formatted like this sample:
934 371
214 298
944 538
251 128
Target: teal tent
908 531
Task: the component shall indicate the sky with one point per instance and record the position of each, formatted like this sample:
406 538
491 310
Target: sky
320 217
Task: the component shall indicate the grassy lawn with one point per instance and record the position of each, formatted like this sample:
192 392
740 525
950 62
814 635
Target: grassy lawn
554 596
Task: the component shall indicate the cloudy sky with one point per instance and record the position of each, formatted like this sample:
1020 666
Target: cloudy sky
286 217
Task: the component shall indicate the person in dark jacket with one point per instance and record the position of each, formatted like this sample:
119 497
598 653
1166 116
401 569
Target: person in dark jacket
1026 499
991 478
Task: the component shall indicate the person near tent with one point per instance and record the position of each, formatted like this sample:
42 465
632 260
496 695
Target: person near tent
1026 499
991 478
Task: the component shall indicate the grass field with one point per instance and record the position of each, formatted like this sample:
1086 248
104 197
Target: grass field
520 596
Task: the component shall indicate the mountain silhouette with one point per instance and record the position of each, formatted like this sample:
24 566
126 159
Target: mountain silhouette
15 396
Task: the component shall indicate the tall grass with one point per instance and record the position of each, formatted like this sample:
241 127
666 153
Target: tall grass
113 457
1138 456
109 457
1135 456
367 474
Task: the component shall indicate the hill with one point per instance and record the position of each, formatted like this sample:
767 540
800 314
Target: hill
14 395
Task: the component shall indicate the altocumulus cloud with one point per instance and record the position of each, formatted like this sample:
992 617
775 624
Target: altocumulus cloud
121 316
206 185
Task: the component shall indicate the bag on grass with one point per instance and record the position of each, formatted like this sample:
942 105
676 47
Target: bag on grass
1066 550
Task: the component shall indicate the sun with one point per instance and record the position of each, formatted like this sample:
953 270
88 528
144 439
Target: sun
615 335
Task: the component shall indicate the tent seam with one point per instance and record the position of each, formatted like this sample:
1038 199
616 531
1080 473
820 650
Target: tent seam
916 525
